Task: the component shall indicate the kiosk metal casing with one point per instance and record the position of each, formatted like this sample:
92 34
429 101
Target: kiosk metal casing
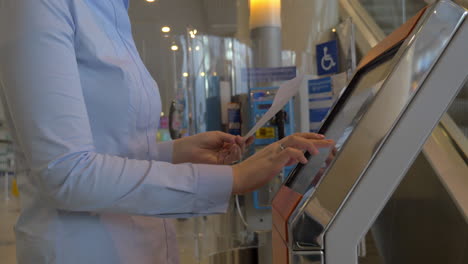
396 98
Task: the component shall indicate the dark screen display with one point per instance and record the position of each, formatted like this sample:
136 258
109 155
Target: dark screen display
341 122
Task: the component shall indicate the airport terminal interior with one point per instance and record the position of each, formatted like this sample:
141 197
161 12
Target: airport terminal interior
385 79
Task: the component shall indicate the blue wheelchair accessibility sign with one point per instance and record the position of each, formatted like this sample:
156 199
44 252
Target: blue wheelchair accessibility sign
327 58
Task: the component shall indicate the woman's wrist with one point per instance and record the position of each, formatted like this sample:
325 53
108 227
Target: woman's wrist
178 150
236 174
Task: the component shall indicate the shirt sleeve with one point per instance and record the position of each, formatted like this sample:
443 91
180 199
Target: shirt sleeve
41 85
163 151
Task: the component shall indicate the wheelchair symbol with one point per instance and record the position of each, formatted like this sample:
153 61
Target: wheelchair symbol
327 60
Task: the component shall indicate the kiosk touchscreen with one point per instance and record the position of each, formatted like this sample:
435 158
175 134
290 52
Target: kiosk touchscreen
342 120
379 123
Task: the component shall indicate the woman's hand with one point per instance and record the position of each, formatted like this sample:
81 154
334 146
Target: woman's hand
260 168
210 148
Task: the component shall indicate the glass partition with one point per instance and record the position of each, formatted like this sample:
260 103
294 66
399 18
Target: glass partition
459 109
389 15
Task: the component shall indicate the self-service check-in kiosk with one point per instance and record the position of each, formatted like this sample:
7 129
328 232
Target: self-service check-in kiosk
379 124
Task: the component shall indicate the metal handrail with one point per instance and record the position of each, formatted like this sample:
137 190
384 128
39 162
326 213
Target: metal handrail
455 134
449 166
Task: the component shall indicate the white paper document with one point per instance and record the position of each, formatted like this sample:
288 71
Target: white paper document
285 92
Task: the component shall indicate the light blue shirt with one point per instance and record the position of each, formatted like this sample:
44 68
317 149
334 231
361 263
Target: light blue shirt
84 112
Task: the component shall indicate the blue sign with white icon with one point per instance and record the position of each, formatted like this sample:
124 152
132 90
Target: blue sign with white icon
327 58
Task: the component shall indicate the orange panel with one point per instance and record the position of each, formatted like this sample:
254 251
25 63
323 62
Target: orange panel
280 249
283 205
391 40
278 221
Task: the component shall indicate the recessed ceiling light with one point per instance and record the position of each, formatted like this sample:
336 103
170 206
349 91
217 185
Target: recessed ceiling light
165 29
174 47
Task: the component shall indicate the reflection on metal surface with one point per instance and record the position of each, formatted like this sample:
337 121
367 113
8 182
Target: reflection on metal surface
313 221
308 257
415 60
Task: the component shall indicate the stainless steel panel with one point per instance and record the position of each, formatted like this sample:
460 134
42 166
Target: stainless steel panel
415 59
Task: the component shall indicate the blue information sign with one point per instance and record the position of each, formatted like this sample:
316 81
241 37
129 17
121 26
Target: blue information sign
327 58
320 101
268 74
322 85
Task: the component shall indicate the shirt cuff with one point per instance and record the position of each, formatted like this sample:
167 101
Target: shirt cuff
214 188
162 151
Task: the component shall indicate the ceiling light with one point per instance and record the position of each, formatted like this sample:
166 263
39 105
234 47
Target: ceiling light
202 74
165 29
150 1
197 48
174 47
185 74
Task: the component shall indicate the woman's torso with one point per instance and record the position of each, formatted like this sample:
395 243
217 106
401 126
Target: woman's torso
123 105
